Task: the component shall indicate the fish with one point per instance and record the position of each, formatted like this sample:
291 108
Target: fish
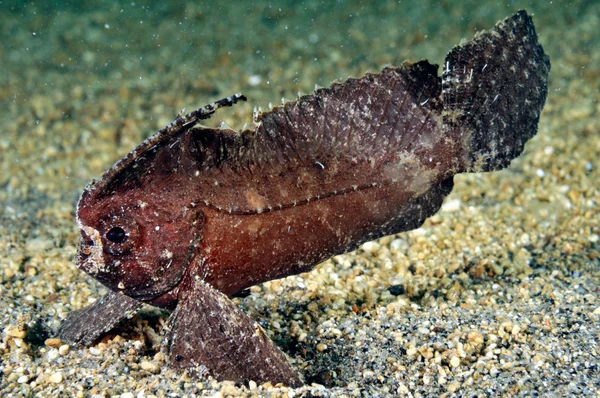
196 214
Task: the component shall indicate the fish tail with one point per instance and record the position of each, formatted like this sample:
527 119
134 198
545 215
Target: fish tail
494 88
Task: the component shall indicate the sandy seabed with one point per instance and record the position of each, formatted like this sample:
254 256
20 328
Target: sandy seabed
496 295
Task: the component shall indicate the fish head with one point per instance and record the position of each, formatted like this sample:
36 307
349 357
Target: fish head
138 242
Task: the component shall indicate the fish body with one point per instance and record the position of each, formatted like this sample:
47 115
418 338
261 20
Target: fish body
195 214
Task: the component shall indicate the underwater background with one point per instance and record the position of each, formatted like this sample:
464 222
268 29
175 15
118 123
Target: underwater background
497 294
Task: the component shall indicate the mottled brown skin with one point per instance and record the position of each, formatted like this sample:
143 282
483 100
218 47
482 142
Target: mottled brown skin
194 214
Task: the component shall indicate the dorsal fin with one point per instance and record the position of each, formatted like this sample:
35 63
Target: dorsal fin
124 169
359 133
360 119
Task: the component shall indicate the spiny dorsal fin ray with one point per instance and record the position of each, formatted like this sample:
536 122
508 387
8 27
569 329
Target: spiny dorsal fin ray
116 177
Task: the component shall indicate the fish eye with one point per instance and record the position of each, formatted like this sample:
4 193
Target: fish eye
120 233
116 235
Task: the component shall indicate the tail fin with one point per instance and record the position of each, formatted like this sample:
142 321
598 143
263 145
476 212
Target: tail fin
494 88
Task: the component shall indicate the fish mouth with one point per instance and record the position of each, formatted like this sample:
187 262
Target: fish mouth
90 256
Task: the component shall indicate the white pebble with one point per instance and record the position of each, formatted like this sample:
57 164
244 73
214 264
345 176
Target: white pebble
52 355
397 244
370 247
150 366
451 206
63 349
454 361
56 378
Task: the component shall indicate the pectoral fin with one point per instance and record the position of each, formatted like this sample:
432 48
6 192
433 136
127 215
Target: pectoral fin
209 331
86 325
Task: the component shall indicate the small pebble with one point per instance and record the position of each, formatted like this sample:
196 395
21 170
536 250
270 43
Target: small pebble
397 244
370 247
56 378
476 337
54 343
52 355
515 330
451 205
403 389
150 366
63 349
17 332
455 361
321 347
